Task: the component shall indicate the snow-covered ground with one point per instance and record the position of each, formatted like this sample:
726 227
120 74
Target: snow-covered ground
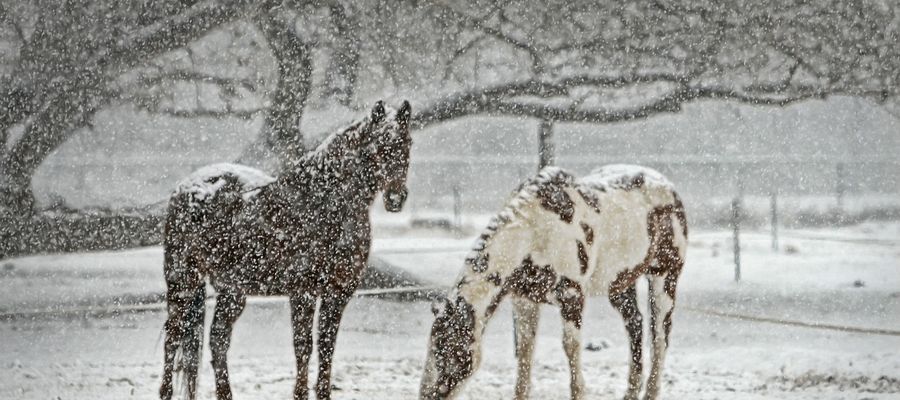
846 276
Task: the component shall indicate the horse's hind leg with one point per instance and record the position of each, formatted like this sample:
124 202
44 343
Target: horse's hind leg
303 308
172 328
626 304
182 287
662 302
228 308
331 309
525 315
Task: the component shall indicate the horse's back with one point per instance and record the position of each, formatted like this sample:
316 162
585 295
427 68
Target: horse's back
627 178
201 210
205 183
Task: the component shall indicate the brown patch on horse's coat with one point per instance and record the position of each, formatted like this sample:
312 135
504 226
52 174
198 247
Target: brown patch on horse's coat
637 181
589 197
626 278
571 300
667 325
588 233
662 250
626 303
554 199
495 302
679 213
479 263
582 257
495 279
529 281
630 182
667 319
462 282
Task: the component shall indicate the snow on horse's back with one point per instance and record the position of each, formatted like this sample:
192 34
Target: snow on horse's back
204 183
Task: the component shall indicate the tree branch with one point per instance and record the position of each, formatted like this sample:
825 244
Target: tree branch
172 32
537 64
499 100
229 84
207 113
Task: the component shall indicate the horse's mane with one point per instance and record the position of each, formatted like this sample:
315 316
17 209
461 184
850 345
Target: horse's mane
342 145
335 147
523 195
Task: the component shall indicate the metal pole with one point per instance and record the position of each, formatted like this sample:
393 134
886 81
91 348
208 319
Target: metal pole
774 220
839 170
457 208
545 143
736 224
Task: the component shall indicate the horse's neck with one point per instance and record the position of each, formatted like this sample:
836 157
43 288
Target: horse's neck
337 182
357 183
505 250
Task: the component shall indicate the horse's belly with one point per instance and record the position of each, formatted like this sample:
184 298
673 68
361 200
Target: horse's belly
266 278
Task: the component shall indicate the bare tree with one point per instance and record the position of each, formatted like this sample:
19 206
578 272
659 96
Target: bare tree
75 58
555 61
619 61
67 60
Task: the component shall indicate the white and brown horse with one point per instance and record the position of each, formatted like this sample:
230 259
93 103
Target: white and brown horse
557 241
305 234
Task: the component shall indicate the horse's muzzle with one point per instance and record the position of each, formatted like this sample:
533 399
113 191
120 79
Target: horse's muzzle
394 199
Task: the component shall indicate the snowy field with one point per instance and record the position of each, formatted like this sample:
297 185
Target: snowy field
848 277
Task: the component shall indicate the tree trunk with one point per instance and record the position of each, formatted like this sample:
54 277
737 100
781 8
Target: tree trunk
281 131
340 79
71 105
62 81
58 86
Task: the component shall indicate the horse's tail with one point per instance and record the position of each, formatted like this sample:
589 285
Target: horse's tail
192 341
679 214
185 295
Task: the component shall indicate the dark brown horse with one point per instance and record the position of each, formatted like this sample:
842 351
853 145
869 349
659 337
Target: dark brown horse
305 234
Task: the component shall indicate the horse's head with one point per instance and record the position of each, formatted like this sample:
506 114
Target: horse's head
452 350
392 142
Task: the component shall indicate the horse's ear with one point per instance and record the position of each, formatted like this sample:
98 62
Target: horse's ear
378 112
404 113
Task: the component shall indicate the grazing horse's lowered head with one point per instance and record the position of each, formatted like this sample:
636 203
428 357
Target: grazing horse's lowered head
453 349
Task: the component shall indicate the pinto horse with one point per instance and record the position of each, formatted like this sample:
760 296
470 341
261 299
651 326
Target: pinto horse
305 234
557 241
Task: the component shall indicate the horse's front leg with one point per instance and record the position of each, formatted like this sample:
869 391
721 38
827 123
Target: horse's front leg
525 315
626 304
331 309
570 298
228 308
303 308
